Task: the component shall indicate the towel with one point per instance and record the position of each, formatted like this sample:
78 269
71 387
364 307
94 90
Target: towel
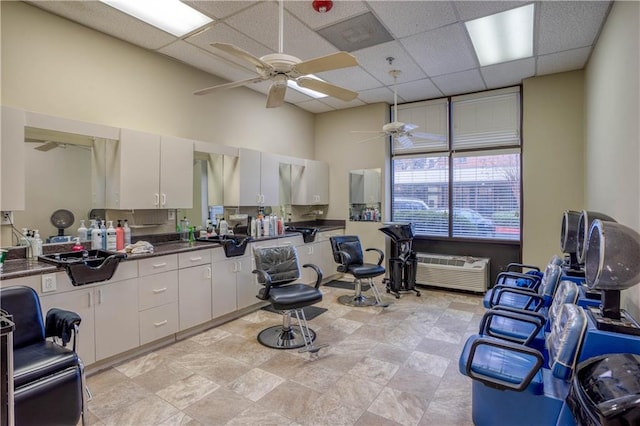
60 323
139 247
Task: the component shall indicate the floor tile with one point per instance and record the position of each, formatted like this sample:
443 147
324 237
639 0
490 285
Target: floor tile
402 407
187 391
255 384
218 407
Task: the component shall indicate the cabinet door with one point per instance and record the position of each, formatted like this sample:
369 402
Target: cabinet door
269 180
82 303
247 285
194 296
224 287
176 186
138 158
249 178
12 180
116 316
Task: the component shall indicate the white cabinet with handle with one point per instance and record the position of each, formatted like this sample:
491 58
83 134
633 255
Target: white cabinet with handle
147 171
158 297
310 183
234 285
194 282
251 179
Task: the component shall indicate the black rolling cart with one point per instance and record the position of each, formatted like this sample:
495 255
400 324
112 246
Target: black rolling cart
403 263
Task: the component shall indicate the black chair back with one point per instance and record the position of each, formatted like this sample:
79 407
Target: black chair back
280 263
349 244
23 304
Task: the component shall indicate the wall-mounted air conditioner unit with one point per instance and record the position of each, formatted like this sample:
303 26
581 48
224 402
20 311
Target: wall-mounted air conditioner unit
454 272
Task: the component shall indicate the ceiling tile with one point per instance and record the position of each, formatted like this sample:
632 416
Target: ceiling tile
508 73
563 61
219 9
354 78
380 94
442 51
373 59
459 83
315 106
405 18
338 104
340 11
568 25
468 10
418 90
110 21
206 61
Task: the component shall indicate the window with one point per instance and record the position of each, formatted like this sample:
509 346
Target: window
468 187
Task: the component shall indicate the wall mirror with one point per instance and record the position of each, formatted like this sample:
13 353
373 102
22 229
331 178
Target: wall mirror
285 184
364 195
63 171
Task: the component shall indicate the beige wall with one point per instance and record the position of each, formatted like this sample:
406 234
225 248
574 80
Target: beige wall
552 160
339 147
612 114
53 66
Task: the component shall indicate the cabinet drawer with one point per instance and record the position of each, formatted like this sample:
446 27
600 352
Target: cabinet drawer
155 265
156 290
194 258
158 322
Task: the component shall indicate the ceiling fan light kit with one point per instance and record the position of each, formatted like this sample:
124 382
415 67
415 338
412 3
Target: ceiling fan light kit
280 68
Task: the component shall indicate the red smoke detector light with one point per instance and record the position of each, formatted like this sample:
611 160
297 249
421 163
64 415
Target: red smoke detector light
322 6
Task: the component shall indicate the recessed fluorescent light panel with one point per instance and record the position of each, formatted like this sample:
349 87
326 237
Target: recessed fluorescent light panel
312 93
503 37
171 16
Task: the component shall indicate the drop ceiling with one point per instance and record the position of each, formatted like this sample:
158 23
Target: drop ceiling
427 39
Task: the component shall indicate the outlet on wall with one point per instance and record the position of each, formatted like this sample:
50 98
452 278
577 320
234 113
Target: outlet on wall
7 218
48 282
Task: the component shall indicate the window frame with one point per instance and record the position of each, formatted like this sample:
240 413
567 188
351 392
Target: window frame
451 153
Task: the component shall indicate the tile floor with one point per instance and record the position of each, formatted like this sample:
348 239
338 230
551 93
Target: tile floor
392 366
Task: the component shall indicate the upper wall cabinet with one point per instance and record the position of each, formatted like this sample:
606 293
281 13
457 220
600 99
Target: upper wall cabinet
13 167
310 183
251 179
147 171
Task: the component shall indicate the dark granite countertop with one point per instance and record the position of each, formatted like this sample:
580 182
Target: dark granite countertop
21 267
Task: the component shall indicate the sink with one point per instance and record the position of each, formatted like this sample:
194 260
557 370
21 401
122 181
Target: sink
234 245
308 232
86 266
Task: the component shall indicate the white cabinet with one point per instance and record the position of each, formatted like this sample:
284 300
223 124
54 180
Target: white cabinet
310 184
234 285
12 178
194 284
251 179
147 171
157 297
116 317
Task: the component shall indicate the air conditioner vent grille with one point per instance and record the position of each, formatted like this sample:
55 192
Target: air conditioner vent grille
455 272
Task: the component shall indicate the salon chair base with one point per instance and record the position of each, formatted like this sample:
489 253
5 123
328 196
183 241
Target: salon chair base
357 301
277 337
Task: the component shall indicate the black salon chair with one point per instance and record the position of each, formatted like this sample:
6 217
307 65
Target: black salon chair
348 254
277 269
48 377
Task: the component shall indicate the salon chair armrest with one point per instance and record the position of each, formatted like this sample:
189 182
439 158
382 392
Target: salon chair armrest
521 280
62 324
535 300
263 294
318 273
522 317
380 255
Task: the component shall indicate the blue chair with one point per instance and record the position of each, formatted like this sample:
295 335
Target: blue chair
510 383
525 298
527 327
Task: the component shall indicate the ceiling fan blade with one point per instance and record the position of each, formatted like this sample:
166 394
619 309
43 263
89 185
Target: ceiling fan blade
370 139
404 141
275 98
227 86
430 136
242 54
368 131
48 146
330 62
327 88
409 127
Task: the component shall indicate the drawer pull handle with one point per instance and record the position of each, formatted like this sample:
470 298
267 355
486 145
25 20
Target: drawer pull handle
195 259
159 290
161 323
160 265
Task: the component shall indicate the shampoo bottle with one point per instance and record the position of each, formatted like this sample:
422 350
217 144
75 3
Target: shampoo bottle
103 235
36 249
82 232
96 238
77 246
127 233
224 227
111 237
119 236
265 225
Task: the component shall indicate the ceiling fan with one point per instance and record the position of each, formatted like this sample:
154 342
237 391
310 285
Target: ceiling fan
399 131
280 67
